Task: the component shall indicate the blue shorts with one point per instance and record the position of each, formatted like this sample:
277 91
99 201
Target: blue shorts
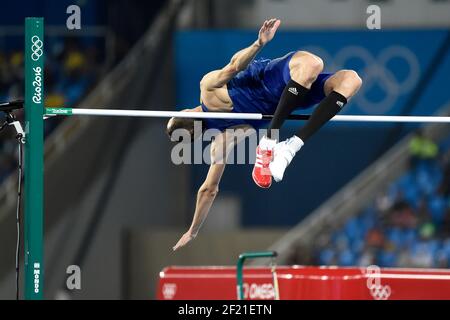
277 75
258 89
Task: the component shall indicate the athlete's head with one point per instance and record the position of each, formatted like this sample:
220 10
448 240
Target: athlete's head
184 129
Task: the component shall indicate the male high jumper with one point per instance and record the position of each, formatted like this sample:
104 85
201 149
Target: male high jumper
278 86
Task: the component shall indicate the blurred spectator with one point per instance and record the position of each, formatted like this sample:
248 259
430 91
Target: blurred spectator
422 148
375 238
402 215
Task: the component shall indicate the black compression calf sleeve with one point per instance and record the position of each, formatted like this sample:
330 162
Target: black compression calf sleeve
326 110
293 95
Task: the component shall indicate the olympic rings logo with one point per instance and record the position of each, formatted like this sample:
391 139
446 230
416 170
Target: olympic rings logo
377 73
376 289
380 292
36 48
169 290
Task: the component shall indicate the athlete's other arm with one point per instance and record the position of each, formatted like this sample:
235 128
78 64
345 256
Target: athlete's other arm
221 147
241 59
210 187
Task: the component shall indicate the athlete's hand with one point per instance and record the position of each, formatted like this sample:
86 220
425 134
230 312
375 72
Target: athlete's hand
267 31
185 238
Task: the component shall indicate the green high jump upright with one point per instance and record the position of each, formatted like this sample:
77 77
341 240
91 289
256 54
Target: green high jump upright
34 158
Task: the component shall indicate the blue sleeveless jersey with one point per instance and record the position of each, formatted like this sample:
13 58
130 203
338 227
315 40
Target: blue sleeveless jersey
258 88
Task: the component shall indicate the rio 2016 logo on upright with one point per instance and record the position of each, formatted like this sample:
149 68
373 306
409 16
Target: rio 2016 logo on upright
37 84
36 53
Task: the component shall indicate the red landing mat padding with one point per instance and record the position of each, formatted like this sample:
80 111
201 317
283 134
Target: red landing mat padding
299 282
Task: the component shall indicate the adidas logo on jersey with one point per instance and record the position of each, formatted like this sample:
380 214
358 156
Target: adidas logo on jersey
340 104
293 90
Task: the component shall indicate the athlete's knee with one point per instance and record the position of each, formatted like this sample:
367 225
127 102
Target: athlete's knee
348 83
351 79
308 60
305 66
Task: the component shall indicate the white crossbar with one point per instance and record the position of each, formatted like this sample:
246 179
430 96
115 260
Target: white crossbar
232 115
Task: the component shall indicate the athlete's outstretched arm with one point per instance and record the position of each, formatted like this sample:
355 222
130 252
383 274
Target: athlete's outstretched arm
205 198
209 189
242 58
220 150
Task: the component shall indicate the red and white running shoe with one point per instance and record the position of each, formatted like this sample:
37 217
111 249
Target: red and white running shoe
261 172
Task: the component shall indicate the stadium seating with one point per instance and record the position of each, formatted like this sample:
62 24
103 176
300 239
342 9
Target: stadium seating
407 225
